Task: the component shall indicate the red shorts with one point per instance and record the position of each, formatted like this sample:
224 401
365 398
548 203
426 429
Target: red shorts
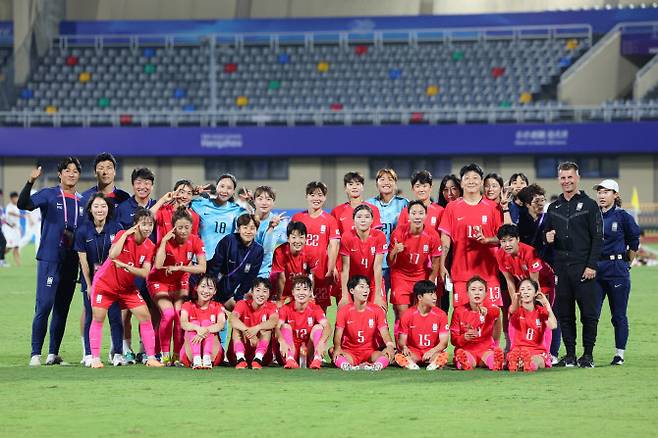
402 290
171 289
493 295
419 353
360 356
128 299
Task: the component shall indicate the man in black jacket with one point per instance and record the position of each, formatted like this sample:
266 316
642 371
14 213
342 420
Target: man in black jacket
575 229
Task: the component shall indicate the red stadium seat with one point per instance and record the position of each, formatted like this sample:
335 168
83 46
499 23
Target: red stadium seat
360 50
230 67
71 60
497 72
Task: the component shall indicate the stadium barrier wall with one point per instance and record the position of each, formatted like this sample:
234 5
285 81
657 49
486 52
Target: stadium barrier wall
646 79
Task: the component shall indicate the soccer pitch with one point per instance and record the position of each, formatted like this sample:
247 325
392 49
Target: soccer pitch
74 401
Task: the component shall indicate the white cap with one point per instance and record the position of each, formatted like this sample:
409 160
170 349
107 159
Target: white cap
609 184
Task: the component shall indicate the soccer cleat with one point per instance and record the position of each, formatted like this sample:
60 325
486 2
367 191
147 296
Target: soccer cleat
316 364
129 357
377 366
153 363
139 357
241 365
586 361
117 360
96 363
404 362
439 361
463 363
566 361
55 359
526 359
498 359
166 360
256 364
513 361
554 360
617 360
196 363
346 366
175 361
35 361
291 364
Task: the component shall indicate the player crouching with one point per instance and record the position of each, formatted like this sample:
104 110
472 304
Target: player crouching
532 340
424 331
303 328
253 321
357 326
475 330
202 319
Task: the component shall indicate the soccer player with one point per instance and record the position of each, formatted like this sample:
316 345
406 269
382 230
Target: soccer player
322 242
202 319
168 282
413 256
469 224
217 215
421 185
272 227
92 242
390 206
363 249
424 331
12 228
165 208
105 168
252 321
475 330
142 181
359 328
530 321
291 259
500 196
131 255
449 190
57 261
344 213
303 328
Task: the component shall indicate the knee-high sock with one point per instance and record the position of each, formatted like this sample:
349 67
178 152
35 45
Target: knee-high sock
339 361
148 337
196 348
164 331
286 332
178 332
261 348
95 338
382 360
238 348
208 344
316 336
490 361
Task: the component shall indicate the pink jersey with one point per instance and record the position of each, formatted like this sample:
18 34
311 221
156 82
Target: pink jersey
112 278
301 321
244 309
414 262
464 319
530 326
180 254
291 264
197 315
344 214
462 222
524 263
362 252
319 232
432 220
423 330
360 328
163 220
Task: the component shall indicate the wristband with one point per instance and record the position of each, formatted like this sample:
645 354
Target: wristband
506 211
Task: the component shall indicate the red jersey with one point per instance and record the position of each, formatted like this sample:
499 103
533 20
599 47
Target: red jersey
461 222
463 319
319 231
524 263
292 264
163 220
197 315
344 214
111 277
180 254
415 261
360 329
432 220
362 252
423 330
250 316
301 321
530 327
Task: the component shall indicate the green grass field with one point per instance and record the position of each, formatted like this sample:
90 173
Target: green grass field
75 401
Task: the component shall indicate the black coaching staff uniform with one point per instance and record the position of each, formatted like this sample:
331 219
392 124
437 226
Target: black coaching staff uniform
575 229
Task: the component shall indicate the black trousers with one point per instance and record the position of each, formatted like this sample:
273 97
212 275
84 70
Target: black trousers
3 245
569 291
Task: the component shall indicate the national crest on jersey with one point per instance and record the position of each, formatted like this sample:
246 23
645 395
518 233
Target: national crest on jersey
309 321
372 250
189 255
484 219
323 229
426 249
213 318
538 322
371 322
435 327
141 260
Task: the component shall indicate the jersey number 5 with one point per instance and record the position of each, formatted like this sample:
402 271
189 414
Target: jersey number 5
359 337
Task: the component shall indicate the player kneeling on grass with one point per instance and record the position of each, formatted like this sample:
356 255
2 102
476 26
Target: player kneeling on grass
358 324
303 328
531 343
253 321
130 256
202 319
475 330
424 331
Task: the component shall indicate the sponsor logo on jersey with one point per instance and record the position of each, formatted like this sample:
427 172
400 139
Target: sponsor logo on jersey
484 219
460 218
371 323
89 240
614 226
435 327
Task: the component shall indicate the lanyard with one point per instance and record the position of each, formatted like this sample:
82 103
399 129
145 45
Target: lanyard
75 215
100 252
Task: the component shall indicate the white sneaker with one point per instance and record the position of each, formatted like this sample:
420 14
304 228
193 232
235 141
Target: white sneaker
35 361
207 363
554 360
118 360
197 363
55 359
87 360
